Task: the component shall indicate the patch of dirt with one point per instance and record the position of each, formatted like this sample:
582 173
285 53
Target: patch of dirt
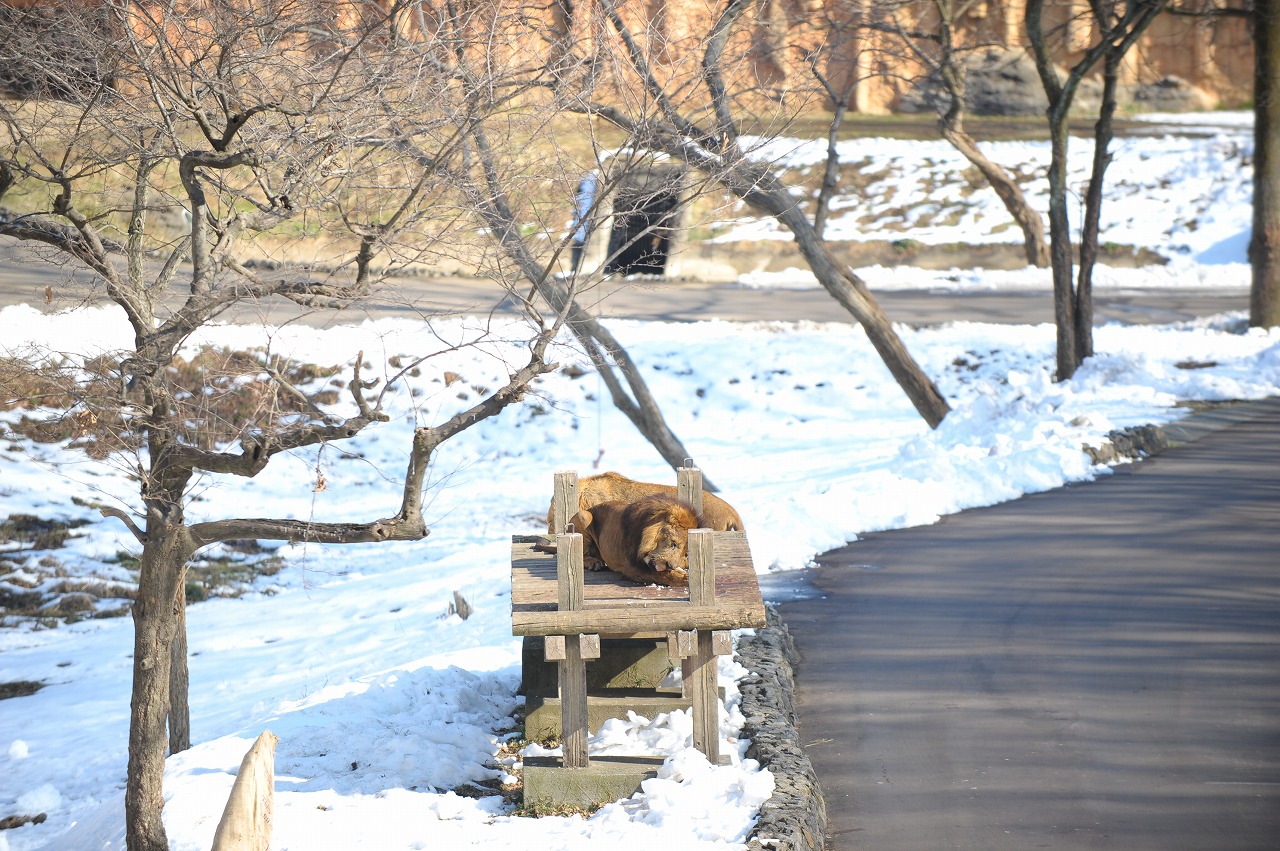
19 688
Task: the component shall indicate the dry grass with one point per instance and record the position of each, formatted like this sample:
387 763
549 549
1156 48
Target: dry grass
219 395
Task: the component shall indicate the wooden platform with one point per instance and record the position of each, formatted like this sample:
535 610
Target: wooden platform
631 610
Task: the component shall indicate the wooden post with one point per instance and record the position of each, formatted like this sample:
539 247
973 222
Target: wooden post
564 502
246 821
689 486
573 668
702 683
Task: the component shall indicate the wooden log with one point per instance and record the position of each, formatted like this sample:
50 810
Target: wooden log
564 501
573 667
689 486
246 821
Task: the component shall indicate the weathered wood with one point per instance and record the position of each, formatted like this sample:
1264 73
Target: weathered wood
615 606
564 500
556 647
573 704
573 667
246 822
702 688
681 644
550 596
689 486
702 567
636 620
569 570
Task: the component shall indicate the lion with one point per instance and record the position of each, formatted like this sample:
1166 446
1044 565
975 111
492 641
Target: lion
614 487
646 540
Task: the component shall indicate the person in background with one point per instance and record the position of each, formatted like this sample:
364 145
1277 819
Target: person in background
584 197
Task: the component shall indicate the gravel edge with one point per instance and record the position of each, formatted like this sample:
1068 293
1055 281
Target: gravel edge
794 818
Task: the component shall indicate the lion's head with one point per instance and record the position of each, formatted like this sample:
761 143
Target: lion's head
663 524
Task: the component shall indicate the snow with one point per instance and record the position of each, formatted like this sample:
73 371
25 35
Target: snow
1185 196
386 704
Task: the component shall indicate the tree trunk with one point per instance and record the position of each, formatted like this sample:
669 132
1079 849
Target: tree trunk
852 293
163 556
640 407
179 676
1264 246
1064 304
1102 134
1007 189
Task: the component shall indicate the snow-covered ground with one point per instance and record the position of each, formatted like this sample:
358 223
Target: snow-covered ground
385 703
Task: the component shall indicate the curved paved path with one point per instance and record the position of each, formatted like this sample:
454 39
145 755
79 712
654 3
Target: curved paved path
1094 667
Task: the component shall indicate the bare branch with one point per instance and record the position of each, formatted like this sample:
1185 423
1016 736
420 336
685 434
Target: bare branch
126 520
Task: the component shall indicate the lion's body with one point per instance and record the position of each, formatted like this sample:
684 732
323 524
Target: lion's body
646 540
614 487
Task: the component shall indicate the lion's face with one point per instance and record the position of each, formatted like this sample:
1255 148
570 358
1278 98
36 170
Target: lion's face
664 548
664 537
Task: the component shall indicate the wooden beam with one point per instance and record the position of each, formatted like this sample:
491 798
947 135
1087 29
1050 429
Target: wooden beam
629 620
569 571
702 687
689 486
564 501
573 667
680 644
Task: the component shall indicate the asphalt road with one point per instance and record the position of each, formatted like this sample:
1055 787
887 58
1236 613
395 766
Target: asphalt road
1097 667
24 280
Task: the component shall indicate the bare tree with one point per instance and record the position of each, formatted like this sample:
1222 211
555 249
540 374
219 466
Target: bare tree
489 93
1117 27
694 118
254 122
937 40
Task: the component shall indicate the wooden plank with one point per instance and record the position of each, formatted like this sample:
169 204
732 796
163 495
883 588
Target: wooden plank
614 605
626 620
564 500
702 688
689 486
573 705
702 567
534 582
569 589
573 668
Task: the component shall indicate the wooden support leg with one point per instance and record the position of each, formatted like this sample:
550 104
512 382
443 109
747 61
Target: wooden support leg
703 690
571 653
573 704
